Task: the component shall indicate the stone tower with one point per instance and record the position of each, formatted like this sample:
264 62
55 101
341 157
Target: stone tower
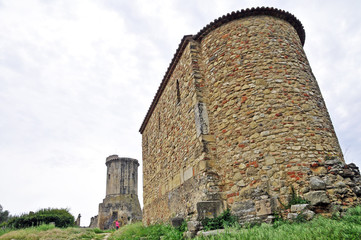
121 201
238 122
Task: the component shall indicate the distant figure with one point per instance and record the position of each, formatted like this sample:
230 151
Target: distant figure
117 224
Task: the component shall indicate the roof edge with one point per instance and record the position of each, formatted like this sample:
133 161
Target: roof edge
182 45
269 11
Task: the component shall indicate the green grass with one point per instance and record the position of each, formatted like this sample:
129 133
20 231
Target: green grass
47 231
320 228
154 232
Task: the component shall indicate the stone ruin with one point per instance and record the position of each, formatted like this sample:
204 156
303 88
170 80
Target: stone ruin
239 122
121 201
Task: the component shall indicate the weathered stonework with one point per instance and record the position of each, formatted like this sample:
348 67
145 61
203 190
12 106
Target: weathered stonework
121 202
238 120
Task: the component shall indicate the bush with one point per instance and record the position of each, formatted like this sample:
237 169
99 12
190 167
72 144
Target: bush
4 215
61 217
222 221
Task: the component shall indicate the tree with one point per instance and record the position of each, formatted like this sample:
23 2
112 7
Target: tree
4 215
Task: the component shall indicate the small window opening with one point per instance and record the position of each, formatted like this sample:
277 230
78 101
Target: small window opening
159 122
108 176
178 93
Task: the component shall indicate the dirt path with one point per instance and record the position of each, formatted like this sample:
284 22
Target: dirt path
106 235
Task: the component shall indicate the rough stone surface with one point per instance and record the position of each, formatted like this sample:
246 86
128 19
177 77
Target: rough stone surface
193 226
317 197
317 183
297 208
308 214
292 216
239 118
209 209
177 221
94 222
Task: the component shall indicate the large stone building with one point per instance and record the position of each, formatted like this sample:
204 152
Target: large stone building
238 121
121 201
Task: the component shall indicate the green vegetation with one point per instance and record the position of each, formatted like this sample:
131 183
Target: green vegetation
154 232
49 231
61 218
295 199
346 227
4 215
222 221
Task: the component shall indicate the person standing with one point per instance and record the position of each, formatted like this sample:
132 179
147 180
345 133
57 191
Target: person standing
117 224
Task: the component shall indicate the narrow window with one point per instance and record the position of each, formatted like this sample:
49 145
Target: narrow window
146 143
159 122
178 93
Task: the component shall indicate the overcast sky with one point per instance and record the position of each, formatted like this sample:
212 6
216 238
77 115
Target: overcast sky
77 78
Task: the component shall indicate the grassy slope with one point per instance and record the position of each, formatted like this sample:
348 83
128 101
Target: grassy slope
50 232
348 227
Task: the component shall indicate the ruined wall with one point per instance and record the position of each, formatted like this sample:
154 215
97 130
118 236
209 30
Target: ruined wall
121 202
251 123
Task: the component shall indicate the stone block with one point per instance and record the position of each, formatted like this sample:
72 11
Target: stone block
241 209
297 208
333 161
188 173
317 197
210 233
177 221
263 207
193 226
270 160
201 119
317 183
292 216
209 209
308 214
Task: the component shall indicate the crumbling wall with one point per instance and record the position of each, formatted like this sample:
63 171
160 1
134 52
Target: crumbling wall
121 201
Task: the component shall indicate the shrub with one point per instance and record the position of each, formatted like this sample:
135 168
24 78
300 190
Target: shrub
222 221
296 199
61 217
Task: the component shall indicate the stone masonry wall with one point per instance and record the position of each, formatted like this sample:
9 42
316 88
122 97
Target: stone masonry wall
122 175
173 156
266 112
239 121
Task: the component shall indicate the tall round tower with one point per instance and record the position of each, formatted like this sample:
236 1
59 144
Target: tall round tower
121 201
239 122
122 175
